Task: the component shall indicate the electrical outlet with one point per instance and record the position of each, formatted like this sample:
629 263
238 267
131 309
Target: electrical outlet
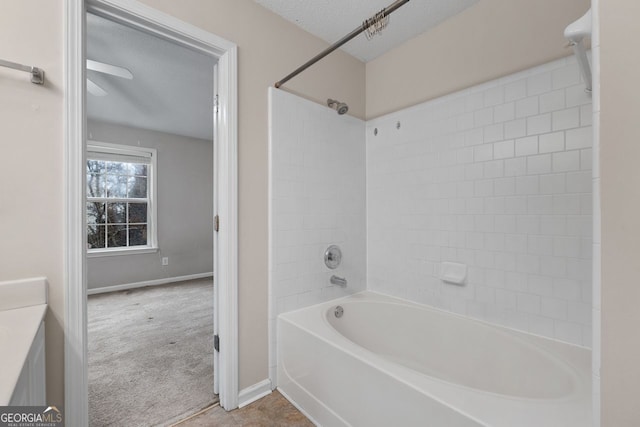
165 260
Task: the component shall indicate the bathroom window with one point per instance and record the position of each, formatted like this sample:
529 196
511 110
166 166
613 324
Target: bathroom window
121 215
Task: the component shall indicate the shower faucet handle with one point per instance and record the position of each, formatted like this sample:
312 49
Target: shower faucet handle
332 257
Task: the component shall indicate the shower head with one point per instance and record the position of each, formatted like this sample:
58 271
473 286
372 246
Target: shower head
340 107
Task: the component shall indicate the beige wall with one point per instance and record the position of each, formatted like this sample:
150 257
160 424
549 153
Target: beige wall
268 49
620 186
31 213
493 38
185 209
31 149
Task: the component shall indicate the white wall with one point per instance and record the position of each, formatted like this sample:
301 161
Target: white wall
317 198
498 177
185 209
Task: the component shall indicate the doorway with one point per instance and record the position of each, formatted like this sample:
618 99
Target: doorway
136 15
150 228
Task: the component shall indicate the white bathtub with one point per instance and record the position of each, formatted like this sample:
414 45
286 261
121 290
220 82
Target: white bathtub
389 362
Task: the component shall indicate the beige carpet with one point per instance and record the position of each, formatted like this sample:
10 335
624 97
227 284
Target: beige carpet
150 354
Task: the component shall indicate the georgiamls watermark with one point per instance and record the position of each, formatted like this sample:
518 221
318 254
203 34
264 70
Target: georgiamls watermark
31 416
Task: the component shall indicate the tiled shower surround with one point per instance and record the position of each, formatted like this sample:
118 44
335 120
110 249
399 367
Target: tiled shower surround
497 177
317 198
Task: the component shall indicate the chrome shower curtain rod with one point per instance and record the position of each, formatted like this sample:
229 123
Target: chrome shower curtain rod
385 12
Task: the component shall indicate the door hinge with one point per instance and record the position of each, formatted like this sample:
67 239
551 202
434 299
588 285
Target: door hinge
216 104
216 343
216 223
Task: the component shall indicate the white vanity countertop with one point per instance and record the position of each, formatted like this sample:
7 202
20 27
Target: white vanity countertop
23 305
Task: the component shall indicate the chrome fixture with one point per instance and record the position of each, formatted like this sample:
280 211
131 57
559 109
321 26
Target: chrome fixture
576 34
371 27
340 281
37 74
332 257
339 311
341 107
375 24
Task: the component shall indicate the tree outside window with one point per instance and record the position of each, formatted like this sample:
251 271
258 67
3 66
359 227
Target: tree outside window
118 199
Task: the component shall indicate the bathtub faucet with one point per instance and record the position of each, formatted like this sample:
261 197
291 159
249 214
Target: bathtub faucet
335 280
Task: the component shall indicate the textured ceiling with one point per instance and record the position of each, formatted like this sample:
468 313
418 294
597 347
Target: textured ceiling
332 19
172 86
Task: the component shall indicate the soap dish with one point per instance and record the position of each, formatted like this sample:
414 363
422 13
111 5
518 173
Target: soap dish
453 272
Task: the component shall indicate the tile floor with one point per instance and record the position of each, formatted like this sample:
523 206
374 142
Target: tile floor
270 411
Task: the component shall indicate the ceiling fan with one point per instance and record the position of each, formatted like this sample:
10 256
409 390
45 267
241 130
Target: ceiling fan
104 68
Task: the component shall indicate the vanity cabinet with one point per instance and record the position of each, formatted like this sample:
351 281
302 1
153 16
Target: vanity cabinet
30 389
23 307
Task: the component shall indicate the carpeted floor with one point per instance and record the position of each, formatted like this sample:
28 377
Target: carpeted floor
150 354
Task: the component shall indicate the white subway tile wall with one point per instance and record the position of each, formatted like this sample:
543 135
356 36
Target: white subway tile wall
317 198
498 177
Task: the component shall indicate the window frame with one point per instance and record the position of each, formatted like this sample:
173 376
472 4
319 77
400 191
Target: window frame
106 148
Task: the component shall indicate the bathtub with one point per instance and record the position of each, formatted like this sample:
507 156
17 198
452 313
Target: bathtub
389 362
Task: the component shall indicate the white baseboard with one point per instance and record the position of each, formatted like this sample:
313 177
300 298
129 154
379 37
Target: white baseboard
146 283
252 393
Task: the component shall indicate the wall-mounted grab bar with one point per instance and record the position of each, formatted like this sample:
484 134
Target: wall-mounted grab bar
37 74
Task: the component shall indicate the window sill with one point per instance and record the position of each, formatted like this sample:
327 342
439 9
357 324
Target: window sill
117 252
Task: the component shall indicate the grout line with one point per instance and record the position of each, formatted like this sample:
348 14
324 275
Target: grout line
200 412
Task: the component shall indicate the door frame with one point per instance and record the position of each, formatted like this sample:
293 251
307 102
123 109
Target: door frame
145 18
